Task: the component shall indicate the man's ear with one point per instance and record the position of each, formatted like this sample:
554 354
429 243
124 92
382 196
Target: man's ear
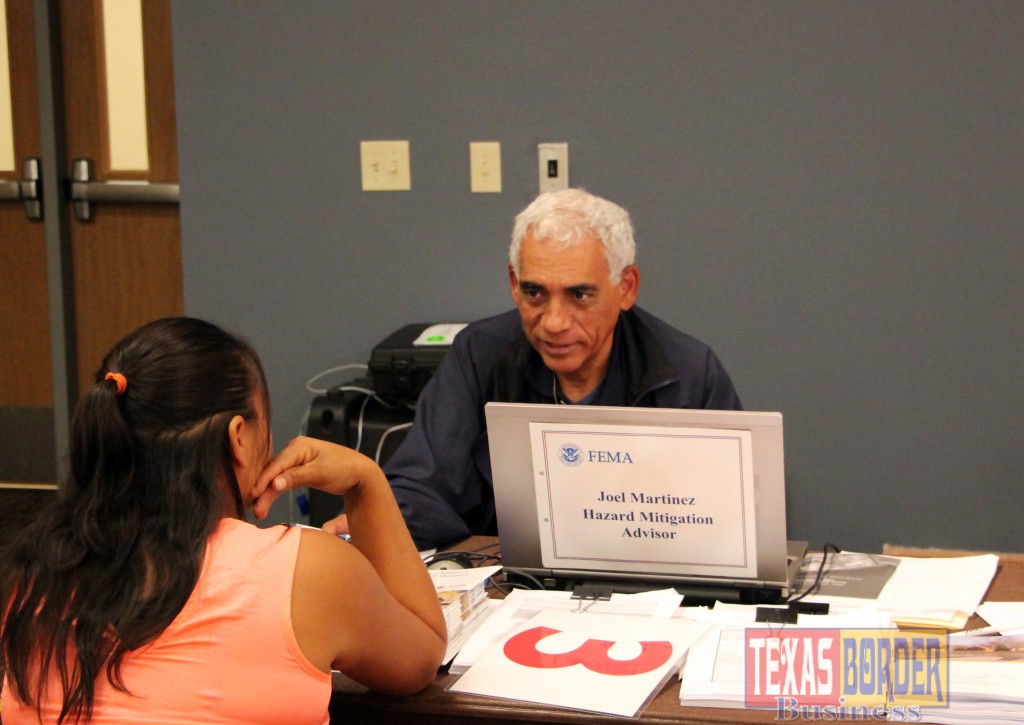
513 282
629 283
236 430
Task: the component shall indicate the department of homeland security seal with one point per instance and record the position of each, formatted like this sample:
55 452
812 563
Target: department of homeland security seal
570 454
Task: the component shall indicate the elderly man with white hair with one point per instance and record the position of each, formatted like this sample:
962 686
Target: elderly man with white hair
575 338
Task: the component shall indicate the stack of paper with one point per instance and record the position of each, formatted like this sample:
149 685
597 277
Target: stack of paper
986 682
937 592
913 591
462 594
521 605
714 672
609 663
459 607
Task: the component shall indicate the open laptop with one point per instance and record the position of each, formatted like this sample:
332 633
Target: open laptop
638 498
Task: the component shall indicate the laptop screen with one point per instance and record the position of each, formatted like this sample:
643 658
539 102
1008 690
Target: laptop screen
640 494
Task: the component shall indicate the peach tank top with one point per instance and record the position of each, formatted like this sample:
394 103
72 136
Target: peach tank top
230 656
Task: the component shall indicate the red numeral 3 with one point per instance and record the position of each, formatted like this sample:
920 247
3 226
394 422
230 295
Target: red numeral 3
592 654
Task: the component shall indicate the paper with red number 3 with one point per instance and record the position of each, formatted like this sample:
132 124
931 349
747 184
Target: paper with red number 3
611 663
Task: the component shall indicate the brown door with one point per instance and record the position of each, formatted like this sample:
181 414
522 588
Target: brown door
127 258
120 263
26 384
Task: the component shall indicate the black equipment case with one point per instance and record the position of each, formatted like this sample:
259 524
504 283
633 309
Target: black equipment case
399 371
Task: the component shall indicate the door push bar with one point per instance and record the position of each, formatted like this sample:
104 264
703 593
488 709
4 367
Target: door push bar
85 192
28 190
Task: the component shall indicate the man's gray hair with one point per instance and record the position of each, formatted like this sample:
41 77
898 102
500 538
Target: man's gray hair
569 216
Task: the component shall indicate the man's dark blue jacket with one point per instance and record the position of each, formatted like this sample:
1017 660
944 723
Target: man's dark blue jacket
441 474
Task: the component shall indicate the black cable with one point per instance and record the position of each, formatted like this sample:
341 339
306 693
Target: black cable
821 572
524 575
467 559
507 586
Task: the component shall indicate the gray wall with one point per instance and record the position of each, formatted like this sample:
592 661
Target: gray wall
831 194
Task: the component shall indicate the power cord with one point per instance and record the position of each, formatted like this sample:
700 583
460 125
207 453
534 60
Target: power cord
821 572
385 434
461 559
339 368
538 584
369 394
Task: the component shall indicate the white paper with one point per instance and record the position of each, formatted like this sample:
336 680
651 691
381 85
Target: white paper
1006 617
637 498
461 579
521 604
985 682
595 662
939 587
714 672
744 615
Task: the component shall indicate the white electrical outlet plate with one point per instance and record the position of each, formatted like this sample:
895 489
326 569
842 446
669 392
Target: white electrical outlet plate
385 165
485 167
553 166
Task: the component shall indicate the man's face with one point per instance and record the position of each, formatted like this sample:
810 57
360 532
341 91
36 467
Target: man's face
569 306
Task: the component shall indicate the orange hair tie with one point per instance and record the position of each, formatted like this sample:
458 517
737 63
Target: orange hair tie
121 380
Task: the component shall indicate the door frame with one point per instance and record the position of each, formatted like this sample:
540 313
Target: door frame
72 247
59 272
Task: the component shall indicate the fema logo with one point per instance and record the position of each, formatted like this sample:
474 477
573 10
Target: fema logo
570 454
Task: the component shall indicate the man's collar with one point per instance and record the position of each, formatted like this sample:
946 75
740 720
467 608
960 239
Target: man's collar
521 376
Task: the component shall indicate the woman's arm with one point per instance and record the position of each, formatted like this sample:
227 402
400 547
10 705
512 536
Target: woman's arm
368 609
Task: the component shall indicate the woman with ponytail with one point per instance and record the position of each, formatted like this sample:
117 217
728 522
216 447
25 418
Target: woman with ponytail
143 594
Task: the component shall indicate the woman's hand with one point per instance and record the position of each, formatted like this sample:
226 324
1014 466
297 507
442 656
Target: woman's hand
355 606
310 463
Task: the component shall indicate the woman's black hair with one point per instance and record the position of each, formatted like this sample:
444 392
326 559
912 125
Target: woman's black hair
107 567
